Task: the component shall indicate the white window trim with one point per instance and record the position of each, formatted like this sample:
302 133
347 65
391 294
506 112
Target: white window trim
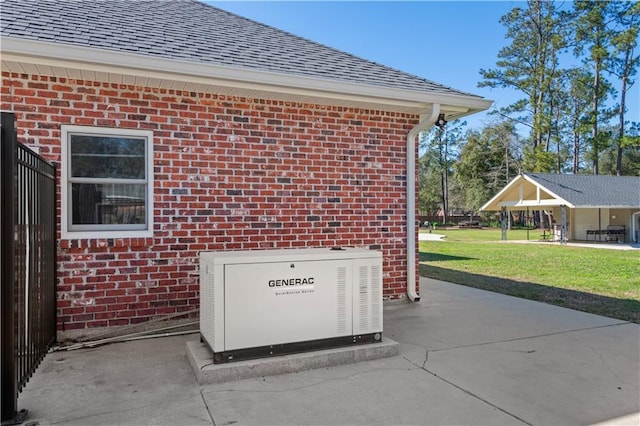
68 234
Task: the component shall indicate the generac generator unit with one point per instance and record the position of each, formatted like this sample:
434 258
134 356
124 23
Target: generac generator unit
262 303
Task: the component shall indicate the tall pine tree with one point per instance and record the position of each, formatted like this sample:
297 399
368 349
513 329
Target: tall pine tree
593 34
530 64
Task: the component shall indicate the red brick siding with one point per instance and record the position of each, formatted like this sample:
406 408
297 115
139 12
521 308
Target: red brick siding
230 174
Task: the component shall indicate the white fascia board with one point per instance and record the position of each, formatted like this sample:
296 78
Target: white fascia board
496 197
556 201
103 60
534 203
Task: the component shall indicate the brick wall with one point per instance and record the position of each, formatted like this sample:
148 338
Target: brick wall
230 174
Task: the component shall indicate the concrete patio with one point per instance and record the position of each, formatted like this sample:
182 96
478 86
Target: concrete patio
466 357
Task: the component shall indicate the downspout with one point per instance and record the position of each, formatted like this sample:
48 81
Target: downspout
424 124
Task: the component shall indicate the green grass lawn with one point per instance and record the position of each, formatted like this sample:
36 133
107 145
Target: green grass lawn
601 281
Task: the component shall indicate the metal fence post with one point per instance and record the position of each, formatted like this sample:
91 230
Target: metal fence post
28 265
7 257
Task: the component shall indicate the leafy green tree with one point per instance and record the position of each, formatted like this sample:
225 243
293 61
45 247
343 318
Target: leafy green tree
486 163
630 158
575 109
429 196
440 146
538 160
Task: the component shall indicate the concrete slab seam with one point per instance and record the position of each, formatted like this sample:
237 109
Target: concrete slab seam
466 391
515 339
204 400
604 362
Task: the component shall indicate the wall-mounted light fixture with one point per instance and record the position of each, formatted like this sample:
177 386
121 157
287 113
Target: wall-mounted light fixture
441 122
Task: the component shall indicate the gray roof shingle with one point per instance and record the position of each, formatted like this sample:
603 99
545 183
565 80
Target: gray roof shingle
191 31
592 190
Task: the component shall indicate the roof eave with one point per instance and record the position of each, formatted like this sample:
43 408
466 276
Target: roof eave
604 206
122 67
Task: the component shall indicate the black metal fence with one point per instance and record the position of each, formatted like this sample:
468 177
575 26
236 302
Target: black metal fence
28 257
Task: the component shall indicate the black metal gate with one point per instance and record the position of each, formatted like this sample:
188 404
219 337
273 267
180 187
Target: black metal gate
28 257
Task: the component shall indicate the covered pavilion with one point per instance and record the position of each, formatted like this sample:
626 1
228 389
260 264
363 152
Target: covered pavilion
579 207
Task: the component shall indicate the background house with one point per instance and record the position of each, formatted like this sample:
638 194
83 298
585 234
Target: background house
177 127
598 207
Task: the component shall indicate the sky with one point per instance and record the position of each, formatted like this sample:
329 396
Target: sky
447 42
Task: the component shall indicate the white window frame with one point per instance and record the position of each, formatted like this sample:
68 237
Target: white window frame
111 230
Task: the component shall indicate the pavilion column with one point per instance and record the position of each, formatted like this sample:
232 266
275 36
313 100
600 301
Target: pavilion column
563 225
503 222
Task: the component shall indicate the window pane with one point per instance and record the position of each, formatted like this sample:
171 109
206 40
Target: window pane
108 204
107 157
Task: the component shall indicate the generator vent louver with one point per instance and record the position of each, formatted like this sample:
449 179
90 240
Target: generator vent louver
341 302
264 303
376 297
208 302
364 295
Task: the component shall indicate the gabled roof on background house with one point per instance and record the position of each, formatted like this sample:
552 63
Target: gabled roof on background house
205 48
575 191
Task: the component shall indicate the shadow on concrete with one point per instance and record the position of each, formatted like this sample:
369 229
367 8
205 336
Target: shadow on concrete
623 309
